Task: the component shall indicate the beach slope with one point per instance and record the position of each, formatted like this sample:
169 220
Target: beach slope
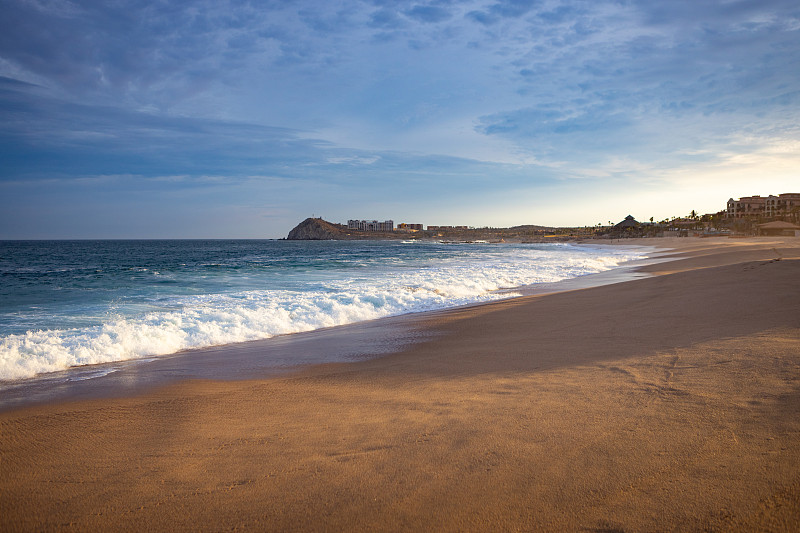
665 403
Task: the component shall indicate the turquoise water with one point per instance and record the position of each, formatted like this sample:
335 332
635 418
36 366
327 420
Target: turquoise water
68 303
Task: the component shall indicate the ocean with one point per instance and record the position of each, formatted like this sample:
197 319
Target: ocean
70 303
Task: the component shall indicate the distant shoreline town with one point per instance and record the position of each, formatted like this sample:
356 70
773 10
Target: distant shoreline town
747 216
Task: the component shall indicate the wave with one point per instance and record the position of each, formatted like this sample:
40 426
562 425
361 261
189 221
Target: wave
215 319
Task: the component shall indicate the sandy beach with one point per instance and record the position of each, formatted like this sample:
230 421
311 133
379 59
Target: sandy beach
667 403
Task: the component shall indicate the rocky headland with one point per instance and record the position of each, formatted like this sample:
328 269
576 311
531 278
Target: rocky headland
318 229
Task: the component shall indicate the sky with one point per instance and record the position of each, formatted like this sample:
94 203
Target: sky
239 119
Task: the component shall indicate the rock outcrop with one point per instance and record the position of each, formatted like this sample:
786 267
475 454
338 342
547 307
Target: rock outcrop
316 229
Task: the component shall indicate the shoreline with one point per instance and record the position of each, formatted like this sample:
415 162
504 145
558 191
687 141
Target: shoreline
669 401
288 354
275 356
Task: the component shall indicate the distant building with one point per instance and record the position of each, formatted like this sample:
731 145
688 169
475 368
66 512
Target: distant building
779 227
781 205
629 222
371 225
409 227
746 206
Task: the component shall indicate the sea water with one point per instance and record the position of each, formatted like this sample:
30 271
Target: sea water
70 303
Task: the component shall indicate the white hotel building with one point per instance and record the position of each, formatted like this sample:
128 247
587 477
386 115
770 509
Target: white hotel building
371 225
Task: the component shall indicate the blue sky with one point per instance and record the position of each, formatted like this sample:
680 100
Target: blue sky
231 118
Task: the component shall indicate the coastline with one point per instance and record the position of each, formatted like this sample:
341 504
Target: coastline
275 356
664 402
156 298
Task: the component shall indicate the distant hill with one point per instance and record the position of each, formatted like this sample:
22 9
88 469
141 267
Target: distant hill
317 229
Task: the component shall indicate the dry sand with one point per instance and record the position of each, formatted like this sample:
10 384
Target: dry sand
665 403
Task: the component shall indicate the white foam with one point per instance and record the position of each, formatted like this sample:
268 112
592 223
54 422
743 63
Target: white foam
208 320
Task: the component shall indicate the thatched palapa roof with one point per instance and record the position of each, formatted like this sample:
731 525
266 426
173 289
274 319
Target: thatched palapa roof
629 222
778 224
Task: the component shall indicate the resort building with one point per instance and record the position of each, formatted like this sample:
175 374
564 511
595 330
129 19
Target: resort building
782 205
409 227
786 205
746 206
371 225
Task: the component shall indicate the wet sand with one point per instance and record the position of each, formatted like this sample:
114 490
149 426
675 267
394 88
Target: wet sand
665 403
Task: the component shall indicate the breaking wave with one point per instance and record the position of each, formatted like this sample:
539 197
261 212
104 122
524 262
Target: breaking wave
193 321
